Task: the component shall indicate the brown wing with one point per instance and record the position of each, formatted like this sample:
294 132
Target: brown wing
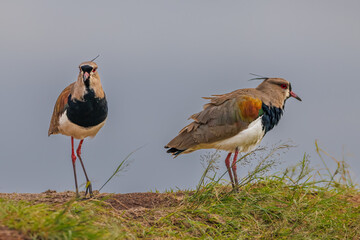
225 116
59 109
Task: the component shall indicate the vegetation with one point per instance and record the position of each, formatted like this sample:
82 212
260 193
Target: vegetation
298 203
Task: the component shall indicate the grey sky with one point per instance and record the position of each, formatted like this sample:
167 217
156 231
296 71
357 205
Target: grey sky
158 58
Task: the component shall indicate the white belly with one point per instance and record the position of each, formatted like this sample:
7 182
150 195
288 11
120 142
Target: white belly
245 140
70 129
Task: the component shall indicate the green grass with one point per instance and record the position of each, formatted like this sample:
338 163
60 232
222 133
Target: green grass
298 203
269 209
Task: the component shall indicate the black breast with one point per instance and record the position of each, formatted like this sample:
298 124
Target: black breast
271 117
88 113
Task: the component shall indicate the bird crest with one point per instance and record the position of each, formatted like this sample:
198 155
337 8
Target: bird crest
258 77
95 58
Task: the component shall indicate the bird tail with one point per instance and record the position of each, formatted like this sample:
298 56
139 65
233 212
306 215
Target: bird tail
174 151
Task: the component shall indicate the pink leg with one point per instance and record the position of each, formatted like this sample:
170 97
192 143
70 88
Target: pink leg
227 163
73 158
88 183
234 167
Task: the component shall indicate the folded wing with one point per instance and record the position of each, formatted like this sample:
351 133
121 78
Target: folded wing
59 109
224 117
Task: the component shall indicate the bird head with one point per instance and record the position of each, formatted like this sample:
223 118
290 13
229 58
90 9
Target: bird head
88 74
278 89
88 79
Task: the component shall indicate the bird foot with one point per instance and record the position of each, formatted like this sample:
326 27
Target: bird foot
236 189
89 189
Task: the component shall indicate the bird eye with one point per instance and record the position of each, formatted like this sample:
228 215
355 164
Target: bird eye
284 86
94 70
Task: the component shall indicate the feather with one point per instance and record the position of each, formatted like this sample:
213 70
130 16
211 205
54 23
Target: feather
59 109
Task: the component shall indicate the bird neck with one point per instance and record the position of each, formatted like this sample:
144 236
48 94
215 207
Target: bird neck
271 97
271 117
82 88
95 85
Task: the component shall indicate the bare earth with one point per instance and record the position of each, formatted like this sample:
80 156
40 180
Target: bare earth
7 234
128 201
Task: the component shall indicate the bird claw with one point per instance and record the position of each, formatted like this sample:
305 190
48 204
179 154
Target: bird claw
89 189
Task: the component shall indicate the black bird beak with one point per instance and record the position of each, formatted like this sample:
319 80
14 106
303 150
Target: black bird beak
295 96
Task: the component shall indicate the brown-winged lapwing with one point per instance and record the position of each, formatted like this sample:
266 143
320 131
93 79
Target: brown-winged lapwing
235 122
80 111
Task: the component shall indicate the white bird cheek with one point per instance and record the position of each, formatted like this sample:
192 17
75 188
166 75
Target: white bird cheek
287 93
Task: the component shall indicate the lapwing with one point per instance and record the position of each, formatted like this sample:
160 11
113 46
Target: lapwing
79 112
235 122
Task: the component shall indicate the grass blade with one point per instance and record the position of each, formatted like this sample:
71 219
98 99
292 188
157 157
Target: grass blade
120 167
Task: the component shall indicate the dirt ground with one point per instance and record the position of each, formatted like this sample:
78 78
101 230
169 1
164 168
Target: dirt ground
7 234
128 201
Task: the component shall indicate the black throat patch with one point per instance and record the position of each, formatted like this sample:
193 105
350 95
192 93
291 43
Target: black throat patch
87 83
88 113
271 117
